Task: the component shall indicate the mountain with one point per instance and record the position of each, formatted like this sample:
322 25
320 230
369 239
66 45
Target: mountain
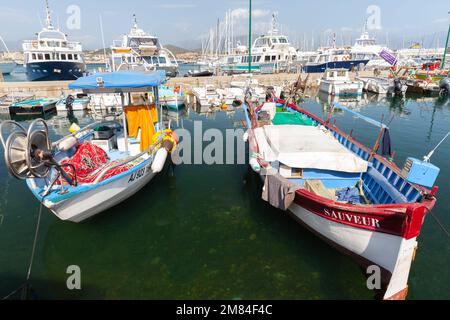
176 50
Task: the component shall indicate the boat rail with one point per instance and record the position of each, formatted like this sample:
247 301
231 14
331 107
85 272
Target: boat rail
149 150
90 126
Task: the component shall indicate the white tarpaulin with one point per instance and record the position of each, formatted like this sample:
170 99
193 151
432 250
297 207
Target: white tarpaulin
306 147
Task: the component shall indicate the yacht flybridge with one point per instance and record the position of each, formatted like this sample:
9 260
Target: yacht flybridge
270 53
51 56
140 51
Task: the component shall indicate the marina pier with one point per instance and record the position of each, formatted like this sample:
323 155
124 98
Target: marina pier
57 89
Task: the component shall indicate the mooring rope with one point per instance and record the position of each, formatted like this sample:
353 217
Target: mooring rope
440 224
33 251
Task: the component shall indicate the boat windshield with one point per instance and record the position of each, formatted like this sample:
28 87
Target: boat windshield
136 42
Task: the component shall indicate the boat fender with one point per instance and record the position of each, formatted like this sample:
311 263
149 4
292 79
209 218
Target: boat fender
254 164
68 144
159 160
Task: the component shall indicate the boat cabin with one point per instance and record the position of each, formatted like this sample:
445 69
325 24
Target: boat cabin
336 75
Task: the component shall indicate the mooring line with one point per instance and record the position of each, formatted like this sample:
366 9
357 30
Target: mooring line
36 234
33 251
440 224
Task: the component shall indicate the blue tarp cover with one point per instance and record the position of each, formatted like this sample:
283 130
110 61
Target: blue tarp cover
120 80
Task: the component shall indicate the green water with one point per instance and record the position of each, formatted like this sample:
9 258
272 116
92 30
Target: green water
202 232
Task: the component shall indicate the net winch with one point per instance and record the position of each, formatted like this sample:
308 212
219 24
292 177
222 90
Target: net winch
28 153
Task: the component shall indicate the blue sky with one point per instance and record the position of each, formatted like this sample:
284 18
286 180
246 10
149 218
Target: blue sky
184 22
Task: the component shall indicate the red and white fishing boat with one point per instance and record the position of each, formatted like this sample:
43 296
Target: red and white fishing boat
310 166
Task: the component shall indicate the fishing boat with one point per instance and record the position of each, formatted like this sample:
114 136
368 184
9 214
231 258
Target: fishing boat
140 51
51 57
351 196
79 103
337 82
383 85
33 107
172 97
101 165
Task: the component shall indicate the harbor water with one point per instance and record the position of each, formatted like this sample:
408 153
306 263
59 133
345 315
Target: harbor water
202 232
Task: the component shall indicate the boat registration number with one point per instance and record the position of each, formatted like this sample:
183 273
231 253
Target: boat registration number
140 173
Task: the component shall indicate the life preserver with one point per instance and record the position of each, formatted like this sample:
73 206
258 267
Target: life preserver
169 136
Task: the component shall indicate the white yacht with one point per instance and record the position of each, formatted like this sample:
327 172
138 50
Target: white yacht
270 53
51 56
140 51
366 48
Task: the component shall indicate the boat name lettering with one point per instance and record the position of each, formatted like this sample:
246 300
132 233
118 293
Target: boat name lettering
348 217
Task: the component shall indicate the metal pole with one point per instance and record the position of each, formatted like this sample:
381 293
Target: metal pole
445 49
250 37
124 119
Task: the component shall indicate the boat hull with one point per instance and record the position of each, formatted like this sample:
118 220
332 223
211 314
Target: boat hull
32 110
347 89
85 205
319 68
55 70
392 253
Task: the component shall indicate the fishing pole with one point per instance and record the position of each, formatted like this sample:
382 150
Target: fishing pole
427 157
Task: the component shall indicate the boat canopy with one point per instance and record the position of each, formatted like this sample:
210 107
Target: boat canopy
317 149
119 82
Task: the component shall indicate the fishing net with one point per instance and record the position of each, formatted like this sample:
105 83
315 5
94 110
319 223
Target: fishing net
89 161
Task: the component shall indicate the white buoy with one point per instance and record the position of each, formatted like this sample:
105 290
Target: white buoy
159 160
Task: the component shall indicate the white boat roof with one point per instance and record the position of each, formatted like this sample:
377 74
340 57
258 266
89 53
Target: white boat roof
306 147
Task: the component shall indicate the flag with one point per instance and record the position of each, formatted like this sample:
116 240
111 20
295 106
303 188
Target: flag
388 57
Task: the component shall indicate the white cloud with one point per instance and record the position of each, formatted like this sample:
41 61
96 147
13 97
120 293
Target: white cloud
242 13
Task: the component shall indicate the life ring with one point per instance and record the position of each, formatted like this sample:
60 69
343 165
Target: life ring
169 136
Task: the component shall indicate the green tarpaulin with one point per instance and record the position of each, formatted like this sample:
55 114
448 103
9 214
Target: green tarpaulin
292 118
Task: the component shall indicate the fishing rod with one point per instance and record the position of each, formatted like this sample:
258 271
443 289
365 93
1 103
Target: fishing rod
427 157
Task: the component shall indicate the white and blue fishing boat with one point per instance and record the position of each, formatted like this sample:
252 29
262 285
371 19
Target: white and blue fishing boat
353 197
33 107
98 166
51 57
172 97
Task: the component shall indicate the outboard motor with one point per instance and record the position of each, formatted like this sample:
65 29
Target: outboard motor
444 86
69 102
28 154
270 93
398 87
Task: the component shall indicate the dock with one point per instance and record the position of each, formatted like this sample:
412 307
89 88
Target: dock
54 89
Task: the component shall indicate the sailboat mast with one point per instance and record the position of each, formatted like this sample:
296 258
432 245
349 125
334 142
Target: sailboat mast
446 47
250 37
